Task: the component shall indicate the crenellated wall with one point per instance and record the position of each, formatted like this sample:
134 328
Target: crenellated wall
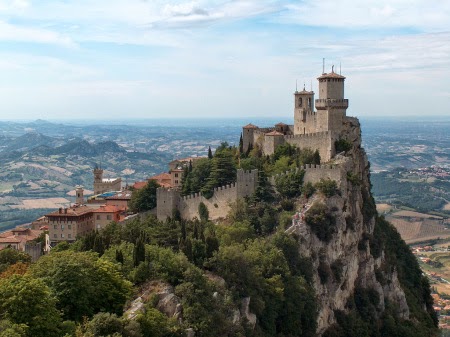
322 141
218 204
314 173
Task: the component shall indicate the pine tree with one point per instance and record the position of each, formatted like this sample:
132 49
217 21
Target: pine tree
119 256
241 145
210 155
139 251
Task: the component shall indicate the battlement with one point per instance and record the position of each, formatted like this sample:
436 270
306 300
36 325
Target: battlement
314 173
322 104
322 134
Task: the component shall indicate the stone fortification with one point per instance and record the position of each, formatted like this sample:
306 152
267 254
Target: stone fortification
323 125
218 205
314 173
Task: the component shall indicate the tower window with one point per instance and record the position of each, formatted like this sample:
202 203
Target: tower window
300 102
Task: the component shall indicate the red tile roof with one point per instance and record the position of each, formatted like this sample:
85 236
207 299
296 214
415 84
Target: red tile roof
280 124
250 126
108 209
72 211
330 75
139 184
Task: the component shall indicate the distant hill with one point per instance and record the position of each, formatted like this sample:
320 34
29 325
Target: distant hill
82 148
29 141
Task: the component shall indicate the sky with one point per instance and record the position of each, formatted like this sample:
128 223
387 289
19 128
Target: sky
118 59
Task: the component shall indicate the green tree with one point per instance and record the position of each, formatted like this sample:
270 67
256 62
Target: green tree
203 212
82 283
145 198
9 329
10 256
26 300
210 155
139 251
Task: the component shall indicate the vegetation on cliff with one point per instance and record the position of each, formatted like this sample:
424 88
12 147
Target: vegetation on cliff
214 269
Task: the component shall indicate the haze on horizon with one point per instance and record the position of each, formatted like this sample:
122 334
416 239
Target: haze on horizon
121 59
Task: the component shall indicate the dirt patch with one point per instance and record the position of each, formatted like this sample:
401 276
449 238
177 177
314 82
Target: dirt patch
411 214
381 208
42 203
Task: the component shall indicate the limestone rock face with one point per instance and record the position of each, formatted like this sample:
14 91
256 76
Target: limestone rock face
348 248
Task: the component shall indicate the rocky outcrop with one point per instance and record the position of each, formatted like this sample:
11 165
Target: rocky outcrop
344 263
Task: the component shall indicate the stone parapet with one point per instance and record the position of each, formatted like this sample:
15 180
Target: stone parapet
323 104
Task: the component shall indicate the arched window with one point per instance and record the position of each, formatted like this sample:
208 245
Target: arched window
300 102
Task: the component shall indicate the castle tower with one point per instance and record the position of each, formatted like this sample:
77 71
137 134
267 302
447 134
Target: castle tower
98 180
79 192
331 105
248 136
304 117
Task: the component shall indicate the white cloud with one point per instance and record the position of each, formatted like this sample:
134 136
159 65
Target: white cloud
421 14
9 32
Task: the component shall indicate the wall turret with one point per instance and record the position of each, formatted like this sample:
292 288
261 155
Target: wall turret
304 117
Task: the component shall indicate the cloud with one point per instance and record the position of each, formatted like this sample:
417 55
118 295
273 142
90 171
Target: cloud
9 32
379 14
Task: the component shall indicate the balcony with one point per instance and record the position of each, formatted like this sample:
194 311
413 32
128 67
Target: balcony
322 104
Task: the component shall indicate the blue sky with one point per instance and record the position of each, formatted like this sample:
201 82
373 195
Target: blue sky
115 59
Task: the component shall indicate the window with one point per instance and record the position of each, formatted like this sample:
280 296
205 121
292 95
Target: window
69 226
62 227
62 236
69 236
55 236
98 226
98 216
55 226
176 181
176 175
109 217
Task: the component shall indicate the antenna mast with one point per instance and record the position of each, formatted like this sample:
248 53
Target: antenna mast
323 65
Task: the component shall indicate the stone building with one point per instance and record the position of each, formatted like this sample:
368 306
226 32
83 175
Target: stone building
102 185
105 214
66 224
316 129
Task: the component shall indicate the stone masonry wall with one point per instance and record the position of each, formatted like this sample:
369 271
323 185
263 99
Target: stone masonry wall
322 141
314 173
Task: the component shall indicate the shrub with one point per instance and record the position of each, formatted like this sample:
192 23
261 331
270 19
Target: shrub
308 189
343 145
322 222
327 186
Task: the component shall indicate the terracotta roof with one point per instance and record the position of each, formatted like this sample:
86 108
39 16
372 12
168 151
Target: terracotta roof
108 209
305 92
331 75
250 126
274 133
280 124
163 179
139 184
10 240
73 211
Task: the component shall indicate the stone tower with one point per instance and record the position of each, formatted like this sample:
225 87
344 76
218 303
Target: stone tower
79 192
304 116
98 180
331 105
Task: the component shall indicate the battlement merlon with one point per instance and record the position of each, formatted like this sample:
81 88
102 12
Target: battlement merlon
324 104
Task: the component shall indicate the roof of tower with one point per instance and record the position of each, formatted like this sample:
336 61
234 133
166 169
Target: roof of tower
280 124
274 133
250 126
304 92
330 75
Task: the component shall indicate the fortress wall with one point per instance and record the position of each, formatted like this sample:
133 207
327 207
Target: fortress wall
167 199
247 181
314 173
322 141
218 204
305 121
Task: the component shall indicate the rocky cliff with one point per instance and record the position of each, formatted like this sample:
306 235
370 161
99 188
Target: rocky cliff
352 263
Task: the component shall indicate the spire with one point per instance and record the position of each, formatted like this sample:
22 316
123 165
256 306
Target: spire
296 89
304 86
323 65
